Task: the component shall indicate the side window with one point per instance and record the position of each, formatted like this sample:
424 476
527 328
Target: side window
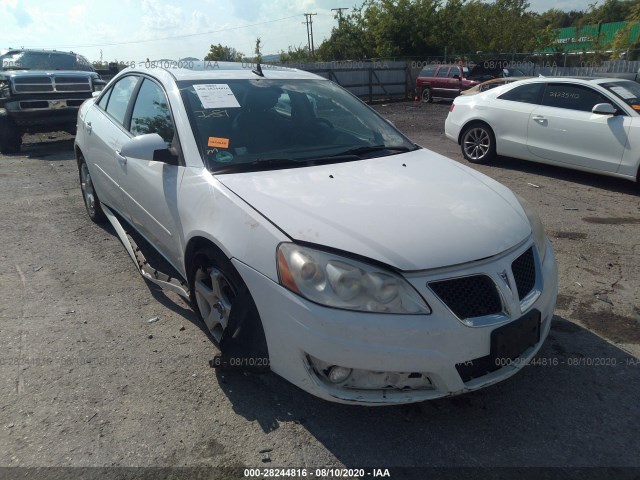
120 96
574 97
428 72
104 99
529 93
442 72
151 112
453 71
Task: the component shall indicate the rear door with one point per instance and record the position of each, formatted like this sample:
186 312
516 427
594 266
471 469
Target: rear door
105 133
563 129
440 85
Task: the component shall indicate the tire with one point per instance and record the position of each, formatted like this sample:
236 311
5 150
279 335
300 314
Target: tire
10 137
89 195
226 308
426 95
478 143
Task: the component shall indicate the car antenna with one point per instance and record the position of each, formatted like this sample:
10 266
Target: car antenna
258 70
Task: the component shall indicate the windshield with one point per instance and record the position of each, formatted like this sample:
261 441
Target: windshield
27 60
627 91
243 125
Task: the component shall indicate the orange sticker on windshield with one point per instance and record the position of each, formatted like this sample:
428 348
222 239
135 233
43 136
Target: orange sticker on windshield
218 142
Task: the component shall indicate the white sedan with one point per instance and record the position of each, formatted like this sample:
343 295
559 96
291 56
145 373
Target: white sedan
586 124
312 237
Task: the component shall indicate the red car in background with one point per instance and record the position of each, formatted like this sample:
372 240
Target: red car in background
448 81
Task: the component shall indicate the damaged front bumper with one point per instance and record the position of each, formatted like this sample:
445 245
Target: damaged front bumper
379 359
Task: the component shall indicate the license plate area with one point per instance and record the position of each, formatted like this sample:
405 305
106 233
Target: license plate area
513 339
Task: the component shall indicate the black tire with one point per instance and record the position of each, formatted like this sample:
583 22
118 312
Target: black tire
89 194
243 335
478 143
426 95
10 137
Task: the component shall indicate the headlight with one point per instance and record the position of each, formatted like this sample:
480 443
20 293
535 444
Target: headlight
4 89
539 238
341 282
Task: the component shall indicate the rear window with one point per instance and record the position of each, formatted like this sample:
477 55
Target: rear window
627 91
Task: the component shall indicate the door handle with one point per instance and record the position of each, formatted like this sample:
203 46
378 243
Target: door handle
539 119
122 159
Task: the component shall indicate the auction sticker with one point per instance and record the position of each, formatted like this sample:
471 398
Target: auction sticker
216 95
218 142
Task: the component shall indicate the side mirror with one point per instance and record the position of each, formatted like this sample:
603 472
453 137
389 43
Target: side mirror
457 77
149 147
604 109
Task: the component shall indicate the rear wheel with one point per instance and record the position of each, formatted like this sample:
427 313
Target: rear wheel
225 306
89 195
478 143
426 95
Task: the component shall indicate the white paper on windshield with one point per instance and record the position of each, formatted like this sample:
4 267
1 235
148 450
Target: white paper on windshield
8 62
623 92
217 95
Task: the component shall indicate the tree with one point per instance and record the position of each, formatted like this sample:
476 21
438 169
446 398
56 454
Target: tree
258 51
609 11
223 53
296 54
347 41
628 38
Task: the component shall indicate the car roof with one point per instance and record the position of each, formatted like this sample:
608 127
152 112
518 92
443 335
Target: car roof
212 70
581 80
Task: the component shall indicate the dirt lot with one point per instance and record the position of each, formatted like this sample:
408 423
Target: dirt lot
88 381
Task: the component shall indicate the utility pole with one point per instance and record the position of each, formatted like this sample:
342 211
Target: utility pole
309 22
339 10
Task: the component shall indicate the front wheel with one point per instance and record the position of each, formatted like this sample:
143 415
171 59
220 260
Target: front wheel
10 137
478 144
225 306
89 195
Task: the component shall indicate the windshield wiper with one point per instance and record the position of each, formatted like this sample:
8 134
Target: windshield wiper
374 148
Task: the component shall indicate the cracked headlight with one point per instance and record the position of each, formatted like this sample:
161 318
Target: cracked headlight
539 237
341 282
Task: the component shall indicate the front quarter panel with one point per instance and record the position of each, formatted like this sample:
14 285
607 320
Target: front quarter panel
210 210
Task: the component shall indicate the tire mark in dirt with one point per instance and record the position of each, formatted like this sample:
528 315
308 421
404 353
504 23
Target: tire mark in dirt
20 382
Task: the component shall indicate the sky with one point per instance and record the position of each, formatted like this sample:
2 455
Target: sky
128 30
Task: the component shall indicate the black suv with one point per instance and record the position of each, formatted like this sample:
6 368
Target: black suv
41 91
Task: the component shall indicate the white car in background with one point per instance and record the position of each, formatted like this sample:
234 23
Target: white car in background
312 237
585 124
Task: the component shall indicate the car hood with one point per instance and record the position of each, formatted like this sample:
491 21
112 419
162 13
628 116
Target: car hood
413 211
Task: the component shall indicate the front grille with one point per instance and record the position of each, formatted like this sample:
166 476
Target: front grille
32 84
524 273
72 84
469 297
56 83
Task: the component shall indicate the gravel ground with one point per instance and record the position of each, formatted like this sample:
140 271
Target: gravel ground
87 381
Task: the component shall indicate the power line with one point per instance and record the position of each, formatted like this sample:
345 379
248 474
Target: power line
172 37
